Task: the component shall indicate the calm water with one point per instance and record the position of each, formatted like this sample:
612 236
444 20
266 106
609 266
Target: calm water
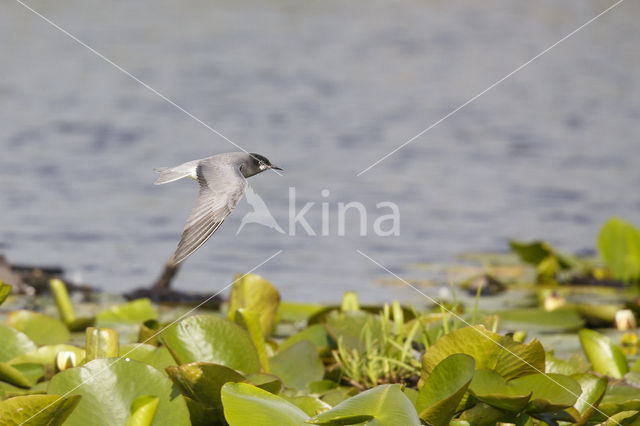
324 89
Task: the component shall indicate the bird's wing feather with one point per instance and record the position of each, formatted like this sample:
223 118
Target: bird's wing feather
220 190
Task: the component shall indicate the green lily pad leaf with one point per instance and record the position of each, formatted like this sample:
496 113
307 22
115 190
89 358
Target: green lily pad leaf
623 418
540 320
142 411
481 414
8 390
41 329
382 405
298 365
136 311
203 415
550 392
101 343
109 388
619 246
321 386
335 396
10 374
593 389
246 404
575 365
37 410
491 388
212 339
268 382
444 389
250 321
490 350
618 398
254 293
46 355
411 394
605 356
309 404
202 381
5 291
158 357
293 312
315 334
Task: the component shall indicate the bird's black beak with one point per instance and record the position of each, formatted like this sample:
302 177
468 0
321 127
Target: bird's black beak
275 167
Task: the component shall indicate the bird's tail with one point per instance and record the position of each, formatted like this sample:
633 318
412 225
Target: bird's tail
169 175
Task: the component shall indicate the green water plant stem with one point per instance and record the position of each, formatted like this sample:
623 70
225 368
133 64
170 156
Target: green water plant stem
63 302
101 343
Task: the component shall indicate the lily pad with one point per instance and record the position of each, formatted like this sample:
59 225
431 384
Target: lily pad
41 329
37 410
619 246
14 343
550 392
136 311
288 311
384 405
202 381
605 356
250 321
46 355
298 365
246 404
593 389
213 339
315 334
254 293
5 291
109 388
444 389
540 320
491 388
309 404
12 374
158 357
490 350
143 410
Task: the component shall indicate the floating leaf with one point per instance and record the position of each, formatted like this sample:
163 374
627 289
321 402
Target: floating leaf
619 246
11 374
41 329
268 382
593 389
254 293
142 411
46 355
618 398
490 350
110 386
382 405
101 343
37 410
246 404
605 356
540 320
14 343
480 414
288 311
298 365
444 389
158 357
5 291
550 392
315 334
213 339
202 381
491 388
250 321
136 311
309 404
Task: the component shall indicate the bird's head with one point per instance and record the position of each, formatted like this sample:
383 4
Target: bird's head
257 163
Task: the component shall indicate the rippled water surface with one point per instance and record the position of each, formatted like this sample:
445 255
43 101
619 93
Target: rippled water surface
324 89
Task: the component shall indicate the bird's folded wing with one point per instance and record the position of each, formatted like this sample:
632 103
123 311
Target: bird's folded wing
220 191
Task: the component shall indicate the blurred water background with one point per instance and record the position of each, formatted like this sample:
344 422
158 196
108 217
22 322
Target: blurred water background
322 88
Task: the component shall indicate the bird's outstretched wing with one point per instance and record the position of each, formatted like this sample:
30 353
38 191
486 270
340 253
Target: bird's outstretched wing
220 190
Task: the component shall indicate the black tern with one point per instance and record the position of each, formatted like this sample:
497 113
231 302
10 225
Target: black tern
222 180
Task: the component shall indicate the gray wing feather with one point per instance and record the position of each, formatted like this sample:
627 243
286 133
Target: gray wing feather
220 190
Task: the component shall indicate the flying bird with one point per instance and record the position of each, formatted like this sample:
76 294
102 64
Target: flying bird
222 180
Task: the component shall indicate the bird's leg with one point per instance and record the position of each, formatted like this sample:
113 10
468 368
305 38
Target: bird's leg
164 281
